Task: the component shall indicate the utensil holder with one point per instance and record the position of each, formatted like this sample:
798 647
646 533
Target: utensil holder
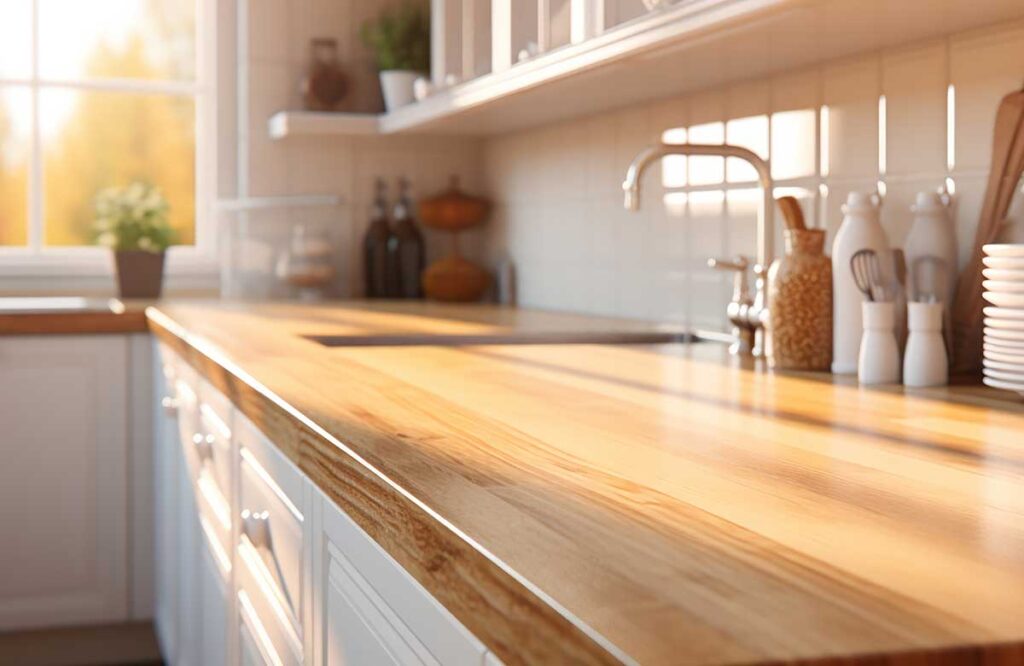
925 362
879 359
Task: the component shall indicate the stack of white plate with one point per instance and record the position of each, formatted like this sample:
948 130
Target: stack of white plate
1004 318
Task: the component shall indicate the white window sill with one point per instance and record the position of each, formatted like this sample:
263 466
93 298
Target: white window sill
98 262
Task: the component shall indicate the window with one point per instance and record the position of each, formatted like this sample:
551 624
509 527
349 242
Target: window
96 94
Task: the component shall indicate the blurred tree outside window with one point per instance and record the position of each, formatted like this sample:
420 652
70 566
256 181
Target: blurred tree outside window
92 95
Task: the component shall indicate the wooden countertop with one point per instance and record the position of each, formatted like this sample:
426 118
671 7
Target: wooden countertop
70 316
657 504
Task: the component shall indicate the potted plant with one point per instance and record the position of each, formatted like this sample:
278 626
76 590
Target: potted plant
400 41
132 221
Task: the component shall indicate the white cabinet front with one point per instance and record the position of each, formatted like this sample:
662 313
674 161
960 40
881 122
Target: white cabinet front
63 483
372 611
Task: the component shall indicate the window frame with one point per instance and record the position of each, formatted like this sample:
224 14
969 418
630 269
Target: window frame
35 258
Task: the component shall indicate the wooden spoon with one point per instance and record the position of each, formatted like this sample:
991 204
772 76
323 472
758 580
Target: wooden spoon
792 214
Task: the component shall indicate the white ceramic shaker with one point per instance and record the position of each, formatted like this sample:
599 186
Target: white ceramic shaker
931 254
925 362
860 230
878 361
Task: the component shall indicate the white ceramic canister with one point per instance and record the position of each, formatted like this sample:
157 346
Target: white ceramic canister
931 237
860 230
878 361
925 362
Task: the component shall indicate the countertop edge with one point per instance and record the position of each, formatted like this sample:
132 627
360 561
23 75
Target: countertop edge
73 323
502 608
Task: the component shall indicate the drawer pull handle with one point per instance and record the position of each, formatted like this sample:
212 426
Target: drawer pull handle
204 445
256 526
170 406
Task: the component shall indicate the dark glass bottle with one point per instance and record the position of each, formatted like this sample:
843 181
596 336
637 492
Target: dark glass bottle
406 247
378 272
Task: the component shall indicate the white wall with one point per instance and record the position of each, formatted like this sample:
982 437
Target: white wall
559 212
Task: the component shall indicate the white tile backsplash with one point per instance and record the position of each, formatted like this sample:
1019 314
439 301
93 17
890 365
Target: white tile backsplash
279 36
653 263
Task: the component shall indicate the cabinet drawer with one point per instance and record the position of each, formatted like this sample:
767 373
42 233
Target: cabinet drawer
375 612
215 520
214 426
263 609
273 537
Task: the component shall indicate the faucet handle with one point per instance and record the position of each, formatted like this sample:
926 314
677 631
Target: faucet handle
739 263
740 292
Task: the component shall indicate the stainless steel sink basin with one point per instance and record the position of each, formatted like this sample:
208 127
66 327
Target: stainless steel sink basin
511 338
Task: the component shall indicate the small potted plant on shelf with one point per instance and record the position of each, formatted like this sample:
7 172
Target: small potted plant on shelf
400 41
132 221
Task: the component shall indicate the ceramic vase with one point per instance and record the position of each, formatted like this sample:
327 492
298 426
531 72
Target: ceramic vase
397 87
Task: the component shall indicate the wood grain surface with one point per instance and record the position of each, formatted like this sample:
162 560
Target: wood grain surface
663 505
105 316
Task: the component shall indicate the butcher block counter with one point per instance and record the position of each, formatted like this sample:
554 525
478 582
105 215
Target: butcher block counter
658 504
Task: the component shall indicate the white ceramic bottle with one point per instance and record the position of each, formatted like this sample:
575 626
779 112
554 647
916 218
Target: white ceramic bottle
878 361
925 362
930 249
860 230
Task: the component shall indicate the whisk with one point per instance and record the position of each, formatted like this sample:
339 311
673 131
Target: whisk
867 275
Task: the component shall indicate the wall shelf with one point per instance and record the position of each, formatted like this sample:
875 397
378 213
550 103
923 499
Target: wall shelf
298 123
692 45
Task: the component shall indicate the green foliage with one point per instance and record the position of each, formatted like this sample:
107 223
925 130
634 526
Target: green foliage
133 218
400 37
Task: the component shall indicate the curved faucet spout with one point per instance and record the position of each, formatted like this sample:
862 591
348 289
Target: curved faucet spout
765 222
749 318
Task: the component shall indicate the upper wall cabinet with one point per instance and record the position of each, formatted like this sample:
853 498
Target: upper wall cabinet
503 65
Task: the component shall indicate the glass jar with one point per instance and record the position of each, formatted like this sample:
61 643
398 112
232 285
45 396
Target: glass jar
800 304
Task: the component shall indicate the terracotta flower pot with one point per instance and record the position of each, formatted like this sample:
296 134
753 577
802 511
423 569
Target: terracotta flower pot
140 274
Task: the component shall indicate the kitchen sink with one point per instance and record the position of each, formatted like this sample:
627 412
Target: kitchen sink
506 338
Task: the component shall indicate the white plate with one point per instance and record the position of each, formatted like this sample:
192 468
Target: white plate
1002 334
999 384
1005 346
1015 377
1004 300
1003 313
1004 324
1003 274
1008 263
1003 366
1003 357
1004 250
1003 286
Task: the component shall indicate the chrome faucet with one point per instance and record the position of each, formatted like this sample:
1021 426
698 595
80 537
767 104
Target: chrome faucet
747 315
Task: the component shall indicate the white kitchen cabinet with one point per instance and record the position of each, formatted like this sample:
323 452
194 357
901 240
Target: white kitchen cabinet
214 583
64 481
371 611
297 582
167 551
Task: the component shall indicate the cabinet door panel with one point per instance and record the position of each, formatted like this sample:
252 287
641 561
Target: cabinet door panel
371 608
167 550
64 480
214 607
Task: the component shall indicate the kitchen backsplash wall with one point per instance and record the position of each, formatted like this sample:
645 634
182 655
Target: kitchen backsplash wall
278 46
910 119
